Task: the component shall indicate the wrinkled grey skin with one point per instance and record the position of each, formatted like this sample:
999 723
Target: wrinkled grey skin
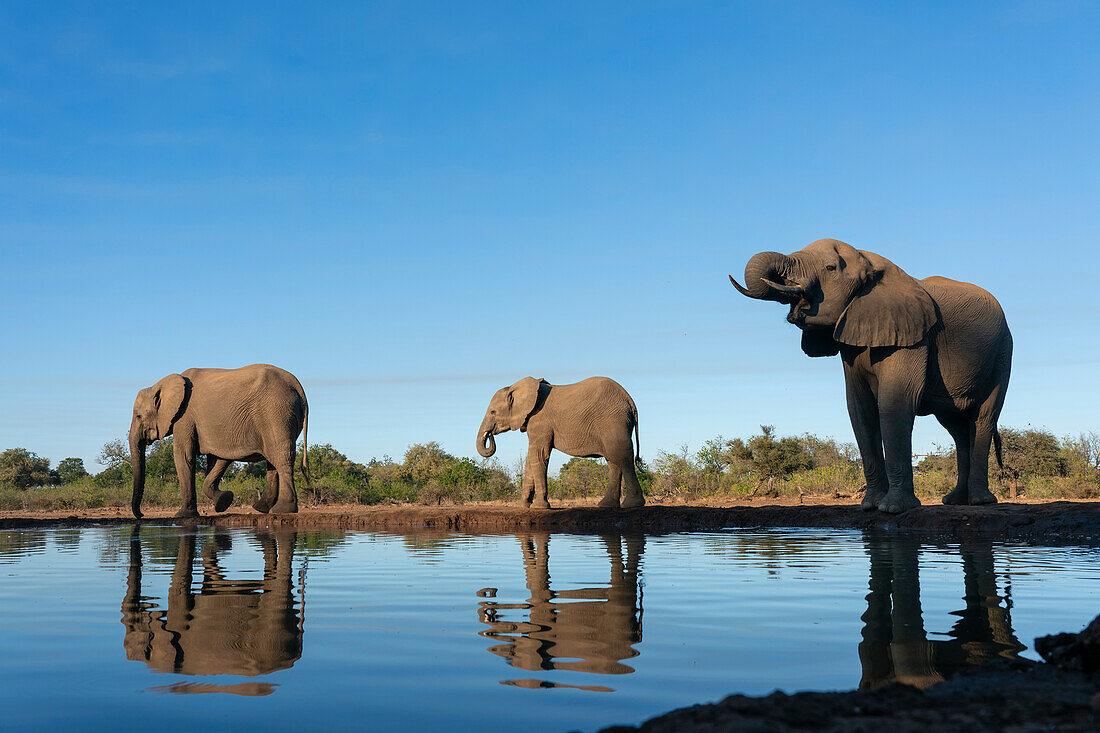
593 418
254 413
910 347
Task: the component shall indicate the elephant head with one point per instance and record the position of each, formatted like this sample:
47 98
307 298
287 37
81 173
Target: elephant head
156 409
508 410
842 295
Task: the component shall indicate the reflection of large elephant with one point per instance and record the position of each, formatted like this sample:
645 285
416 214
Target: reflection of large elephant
585 630
234 627
253 413
592 418
928 347
895 646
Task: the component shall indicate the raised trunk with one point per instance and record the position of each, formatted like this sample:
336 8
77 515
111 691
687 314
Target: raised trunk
763 267
137 463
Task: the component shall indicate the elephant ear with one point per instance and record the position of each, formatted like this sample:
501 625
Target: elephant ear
525 395
819 342
168 396
890 309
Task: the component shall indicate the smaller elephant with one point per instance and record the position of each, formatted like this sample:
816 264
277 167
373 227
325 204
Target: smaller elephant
254 413
592 418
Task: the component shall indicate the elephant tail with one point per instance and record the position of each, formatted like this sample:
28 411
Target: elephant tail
997 449
637 441
305 446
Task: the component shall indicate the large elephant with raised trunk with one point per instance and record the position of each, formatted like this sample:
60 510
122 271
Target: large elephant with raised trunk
592 418
909 347
254 413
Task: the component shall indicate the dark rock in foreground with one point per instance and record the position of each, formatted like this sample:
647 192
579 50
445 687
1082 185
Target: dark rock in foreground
1003 696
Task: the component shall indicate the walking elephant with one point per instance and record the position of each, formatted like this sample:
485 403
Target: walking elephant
253 413
592 418
909 347
222 627
584 630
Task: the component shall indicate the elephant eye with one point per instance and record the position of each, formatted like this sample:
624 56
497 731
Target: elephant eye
830 268
492 412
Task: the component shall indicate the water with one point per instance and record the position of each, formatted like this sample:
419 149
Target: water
115 628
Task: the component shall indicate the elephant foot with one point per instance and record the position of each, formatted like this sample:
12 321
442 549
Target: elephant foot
871 499
609 502
982 496
958 495
896 502
223 500
187 512
540 504
633 502
262 505
285 507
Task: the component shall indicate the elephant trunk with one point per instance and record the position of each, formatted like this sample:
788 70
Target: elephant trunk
486 443
764 275
137 463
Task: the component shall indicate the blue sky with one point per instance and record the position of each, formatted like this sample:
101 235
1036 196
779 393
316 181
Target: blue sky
410 205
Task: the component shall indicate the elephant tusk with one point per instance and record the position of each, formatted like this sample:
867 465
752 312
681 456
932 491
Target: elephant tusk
740 289
794 291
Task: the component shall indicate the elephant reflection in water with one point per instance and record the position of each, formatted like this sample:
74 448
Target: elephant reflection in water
583 630
225 626
895 646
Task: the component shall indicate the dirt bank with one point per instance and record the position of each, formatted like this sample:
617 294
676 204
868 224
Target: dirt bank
1049 522
1007 695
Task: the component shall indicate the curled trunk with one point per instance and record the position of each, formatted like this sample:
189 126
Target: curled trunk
762 273
486 444
137 463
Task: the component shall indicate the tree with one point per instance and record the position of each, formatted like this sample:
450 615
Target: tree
70 470
115 454
423 460
1032 453
22 469
772 459
583 477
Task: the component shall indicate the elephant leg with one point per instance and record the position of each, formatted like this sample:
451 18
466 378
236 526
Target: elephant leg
183 451
610 500
960 430
538 457
221 499
897 443
978 485
632 490
863 412
527 490
270 493
287 502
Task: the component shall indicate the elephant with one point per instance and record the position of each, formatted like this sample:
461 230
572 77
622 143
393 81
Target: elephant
895 646
909 347
224 627
584 630
252 413
592 418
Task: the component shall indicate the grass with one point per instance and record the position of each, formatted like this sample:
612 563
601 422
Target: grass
833 482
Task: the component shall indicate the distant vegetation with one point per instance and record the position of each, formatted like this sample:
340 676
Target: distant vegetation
1040 465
